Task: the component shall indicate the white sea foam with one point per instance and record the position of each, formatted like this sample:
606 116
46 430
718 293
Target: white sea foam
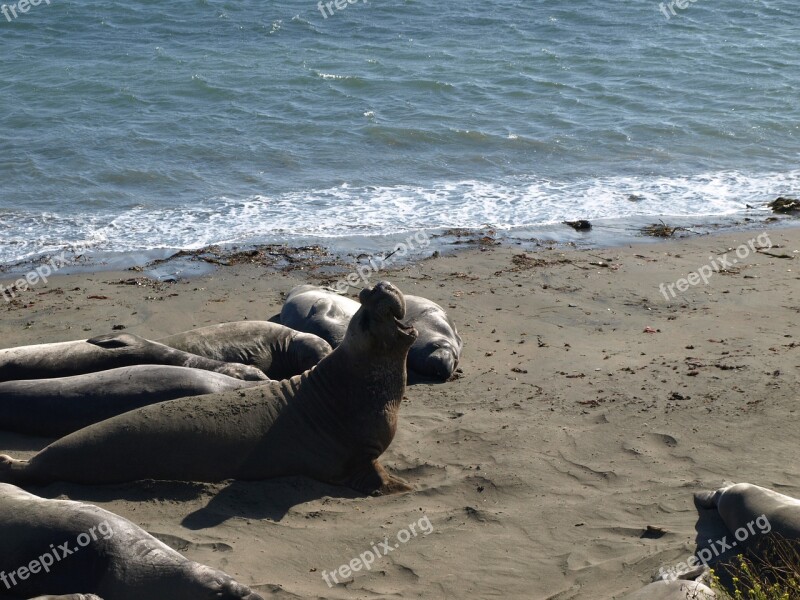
346 211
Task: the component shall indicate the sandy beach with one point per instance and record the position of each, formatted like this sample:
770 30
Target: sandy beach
589 405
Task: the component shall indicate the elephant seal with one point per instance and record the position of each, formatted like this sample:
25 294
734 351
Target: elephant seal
65 359
56 407
69 597
435 353
673 590
750 511
65 547
331 423
276 350
437 350
313 309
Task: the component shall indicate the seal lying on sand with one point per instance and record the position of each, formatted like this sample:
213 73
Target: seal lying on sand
742 505
312 309
278 351
65 359
66 547
435 353
438 348
56 407
67 597
330 423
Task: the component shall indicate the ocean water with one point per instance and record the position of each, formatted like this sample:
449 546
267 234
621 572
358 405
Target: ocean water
137 125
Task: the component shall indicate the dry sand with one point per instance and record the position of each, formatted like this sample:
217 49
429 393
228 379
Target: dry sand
569 432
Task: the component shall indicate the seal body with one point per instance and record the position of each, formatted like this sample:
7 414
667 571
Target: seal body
69 549
437 350
312 309
58 406
330 423
278 351
65 359
435 353
754 509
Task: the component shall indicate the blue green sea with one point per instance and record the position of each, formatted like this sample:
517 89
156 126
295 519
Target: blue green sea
138 125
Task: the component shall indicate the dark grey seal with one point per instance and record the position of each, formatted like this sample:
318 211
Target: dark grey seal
71 551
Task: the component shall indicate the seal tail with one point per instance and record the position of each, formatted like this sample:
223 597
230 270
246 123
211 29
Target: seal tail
708 499
12 470
111 341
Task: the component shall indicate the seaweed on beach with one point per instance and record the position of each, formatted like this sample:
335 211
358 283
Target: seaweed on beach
479 238
785 206
661 230
280 257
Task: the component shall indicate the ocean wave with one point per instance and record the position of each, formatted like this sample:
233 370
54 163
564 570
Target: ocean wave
343 212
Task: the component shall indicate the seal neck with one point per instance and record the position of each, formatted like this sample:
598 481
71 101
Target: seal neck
362 394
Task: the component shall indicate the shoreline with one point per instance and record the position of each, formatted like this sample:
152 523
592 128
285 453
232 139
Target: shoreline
338 255
588 409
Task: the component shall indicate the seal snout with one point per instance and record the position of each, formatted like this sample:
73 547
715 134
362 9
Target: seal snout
384 294
441 363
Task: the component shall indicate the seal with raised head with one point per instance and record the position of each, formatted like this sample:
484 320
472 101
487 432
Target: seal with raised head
331 423
435 352
277 350
58 406
113 351
67 549
749 510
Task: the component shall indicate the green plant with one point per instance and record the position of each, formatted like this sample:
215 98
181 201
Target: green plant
770 572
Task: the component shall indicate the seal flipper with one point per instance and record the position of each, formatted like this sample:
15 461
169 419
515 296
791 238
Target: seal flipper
12 470
111 341
275 319
374 480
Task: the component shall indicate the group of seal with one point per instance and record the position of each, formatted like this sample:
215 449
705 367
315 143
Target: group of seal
330 419
330 423
435 353
55 389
